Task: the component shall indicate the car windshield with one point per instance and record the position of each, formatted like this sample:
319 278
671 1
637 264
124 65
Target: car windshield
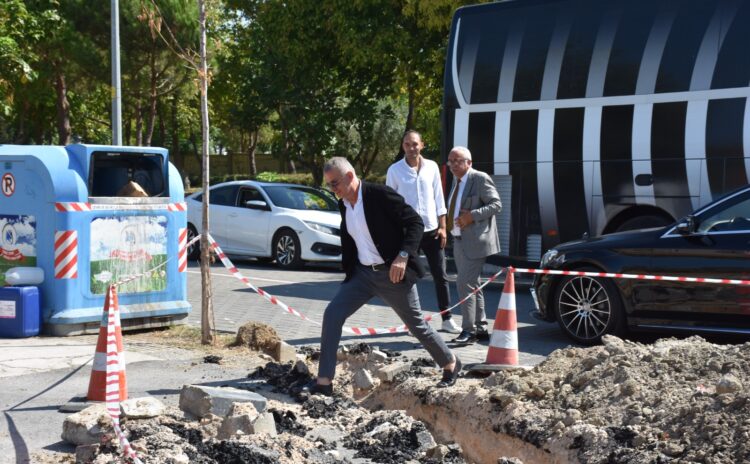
298 197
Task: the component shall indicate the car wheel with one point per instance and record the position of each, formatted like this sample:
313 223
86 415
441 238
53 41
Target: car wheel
286 249
588 308
194 250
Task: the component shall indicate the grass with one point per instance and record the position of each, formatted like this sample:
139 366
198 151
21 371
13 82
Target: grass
186 337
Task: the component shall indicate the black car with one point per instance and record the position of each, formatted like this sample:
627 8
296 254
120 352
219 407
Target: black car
712 242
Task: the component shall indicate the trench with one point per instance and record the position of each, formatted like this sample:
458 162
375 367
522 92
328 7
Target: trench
451 417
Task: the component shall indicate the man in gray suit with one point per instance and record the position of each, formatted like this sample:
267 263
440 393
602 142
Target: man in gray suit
472 205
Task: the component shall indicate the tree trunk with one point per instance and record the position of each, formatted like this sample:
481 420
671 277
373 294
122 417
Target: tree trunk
152 107
176 155
21 134
410 113
207 311
126 130
63 110
162 142
139 123
409 117
251 152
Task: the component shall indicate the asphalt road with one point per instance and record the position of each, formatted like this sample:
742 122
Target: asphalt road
309 290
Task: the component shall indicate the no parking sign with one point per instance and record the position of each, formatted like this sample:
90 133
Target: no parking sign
8 184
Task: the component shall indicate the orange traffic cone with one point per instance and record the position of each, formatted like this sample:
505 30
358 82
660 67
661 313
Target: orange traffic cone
503 349
109 351
504 340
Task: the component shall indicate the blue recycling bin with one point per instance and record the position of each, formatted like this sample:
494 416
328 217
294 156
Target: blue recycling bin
90 215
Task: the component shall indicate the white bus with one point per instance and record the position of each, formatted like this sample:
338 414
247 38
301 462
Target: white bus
599 116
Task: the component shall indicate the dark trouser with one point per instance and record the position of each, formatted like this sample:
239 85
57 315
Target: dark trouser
353 294
436 260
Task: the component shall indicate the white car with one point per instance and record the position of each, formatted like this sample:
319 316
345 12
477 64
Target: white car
287 223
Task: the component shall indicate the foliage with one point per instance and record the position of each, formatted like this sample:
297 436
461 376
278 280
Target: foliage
305 80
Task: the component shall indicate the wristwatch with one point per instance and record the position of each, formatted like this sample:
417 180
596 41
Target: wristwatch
403 254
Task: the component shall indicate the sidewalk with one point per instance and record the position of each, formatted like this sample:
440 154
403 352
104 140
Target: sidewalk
38 375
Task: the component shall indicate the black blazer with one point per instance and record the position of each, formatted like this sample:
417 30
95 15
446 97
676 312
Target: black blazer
393 225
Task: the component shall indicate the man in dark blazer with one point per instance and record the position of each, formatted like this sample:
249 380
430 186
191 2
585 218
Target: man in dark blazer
380 235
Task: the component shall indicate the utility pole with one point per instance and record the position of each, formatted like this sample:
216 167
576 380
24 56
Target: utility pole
116 97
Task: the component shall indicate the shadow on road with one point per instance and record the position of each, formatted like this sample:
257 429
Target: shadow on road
19 444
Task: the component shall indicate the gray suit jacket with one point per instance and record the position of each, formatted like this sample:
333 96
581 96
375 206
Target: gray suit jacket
481 198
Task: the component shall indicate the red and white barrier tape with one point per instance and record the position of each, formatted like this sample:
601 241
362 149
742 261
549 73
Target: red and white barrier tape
353 330
706 280
112 389
236 273
402 328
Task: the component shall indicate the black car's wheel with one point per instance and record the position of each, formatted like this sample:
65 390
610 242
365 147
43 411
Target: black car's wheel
286 249
194 250
588 308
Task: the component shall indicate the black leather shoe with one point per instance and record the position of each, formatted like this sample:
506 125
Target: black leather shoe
465 338
482 334
314 388
449 377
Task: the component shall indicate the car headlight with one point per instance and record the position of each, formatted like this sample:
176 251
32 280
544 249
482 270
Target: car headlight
322 228
548 257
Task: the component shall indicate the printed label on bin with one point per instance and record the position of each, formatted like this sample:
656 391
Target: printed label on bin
17 243
125 246
7 309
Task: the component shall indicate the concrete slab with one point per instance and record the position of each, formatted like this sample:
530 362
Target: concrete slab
41 354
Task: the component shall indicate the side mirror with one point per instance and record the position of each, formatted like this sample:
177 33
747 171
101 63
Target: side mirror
257 204
686 225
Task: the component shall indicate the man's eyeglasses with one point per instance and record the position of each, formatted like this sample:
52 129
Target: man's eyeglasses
456 161
334 184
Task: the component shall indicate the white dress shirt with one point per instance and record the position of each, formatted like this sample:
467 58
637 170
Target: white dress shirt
456 232
356 225
422 190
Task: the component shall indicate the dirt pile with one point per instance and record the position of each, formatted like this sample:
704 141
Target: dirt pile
622 402
257 336
311 429
393 437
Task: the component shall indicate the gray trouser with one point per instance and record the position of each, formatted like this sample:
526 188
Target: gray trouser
353 294
467 280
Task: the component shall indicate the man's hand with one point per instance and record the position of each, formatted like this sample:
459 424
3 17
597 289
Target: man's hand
465 219
440 234
398 269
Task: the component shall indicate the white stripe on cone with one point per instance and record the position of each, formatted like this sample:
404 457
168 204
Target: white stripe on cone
507 301
504 339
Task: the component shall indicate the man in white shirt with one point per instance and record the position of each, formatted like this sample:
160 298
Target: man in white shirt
380 236
418 180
